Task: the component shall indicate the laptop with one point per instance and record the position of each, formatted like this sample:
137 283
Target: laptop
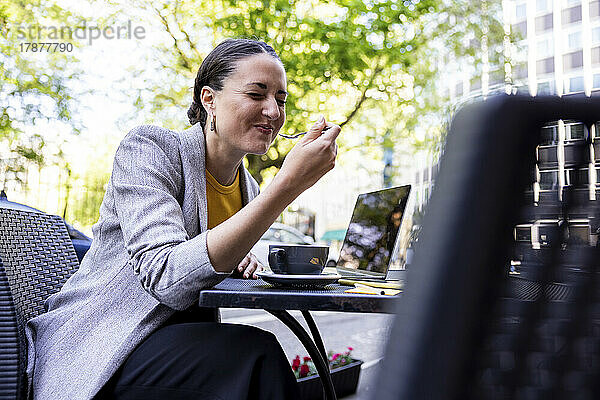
372 234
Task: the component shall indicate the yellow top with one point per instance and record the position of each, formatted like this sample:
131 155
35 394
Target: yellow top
223 201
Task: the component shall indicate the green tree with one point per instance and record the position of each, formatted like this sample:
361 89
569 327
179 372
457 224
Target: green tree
33 85
342 57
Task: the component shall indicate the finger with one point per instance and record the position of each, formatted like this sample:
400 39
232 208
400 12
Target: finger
316 130
334 149
250 268
242 265
260 268
332 132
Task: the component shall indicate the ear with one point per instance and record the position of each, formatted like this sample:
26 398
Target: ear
207 97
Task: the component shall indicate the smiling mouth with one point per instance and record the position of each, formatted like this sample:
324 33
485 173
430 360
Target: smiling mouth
265 129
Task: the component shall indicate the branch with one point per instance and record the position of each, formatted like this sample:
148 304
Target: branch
363 96
184 59
168 98
187 37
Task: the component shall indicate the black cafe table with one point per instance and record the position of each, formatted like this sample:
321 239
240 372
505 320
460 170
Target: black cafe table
246 293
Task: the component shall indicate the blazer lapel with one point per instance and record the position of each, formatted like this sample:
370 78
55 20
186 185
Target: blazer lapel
193 157
194 165
248 193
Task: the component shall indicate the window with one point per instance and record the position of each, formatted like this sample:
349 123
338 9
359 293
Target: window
596 82
545 48
475 83
520 29
596 35
522 233
496 78
571 15
576 177
595 55
597 135
594 9
545 66
520 54
543 5
549 135
521 87
521 11
459 89
579 234
574 40
546 88
577 84
574 84
543 23
548 180
520 71
574 131
573 60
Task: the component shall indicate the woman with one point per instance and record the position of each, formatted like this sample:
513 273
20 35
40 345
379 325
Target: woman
180 214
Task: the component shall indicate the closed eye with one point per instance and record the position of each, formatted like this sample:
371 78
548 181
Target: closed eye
259 96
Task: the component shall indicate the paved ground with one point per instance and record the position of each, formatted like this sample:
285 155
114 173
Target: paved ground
366 333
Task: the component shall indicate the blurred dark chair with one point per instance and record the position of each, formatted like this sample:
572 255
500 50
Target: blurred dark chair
468 328
36 258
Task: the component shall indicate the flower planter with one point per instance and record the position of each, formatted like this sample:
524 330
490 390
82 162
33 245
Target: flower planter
345 381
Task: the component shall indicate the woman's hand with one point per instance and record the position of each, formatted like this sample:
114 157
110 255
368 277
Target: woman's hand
312 157
249 266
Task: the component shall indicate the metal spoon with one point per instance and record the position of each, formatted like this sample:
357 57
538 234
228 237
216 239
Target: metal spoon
298 134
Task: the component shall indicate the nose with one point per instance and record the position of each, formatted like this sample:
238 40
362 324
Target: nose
271 109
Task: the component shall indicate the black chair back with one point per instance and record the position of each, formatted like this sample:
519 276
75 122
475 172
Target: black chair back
490 311
36 258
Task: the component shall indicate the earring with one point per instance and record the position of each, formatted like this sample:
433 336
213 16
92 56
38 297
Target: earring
212 123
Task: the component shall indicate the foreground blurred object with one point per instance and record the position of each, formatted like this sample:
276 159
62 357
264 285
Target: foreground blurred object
36 258
503 300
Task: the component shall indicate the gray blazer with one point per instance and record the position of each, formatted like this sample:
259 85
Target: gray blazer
148 259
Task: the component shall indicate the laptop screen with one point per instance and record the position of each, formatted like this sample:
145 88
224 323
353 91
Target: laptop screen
372 233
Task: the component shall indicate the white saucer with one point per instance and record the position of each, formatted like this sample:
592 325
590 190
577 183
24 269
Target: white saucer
298 280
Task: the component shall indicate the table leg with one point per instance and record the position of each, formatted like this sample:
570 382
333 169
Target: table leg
314 331
320 362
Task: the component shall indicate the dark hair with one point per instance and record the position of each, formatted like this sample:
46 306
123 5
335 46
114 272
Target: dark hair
219 64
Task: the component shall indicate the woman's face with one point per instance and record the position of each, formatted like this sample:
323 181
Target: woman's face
250 109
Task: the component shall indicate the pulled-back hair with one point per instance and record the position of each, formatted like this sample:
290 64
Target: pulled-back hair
218 65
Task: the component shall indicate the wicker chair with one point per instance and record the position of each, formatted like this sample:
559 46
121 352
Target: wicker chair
36 258
470 326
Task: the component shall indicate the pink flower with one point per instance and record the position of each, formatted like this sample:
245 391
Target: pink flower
307 359
304 370
335 356
350 349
